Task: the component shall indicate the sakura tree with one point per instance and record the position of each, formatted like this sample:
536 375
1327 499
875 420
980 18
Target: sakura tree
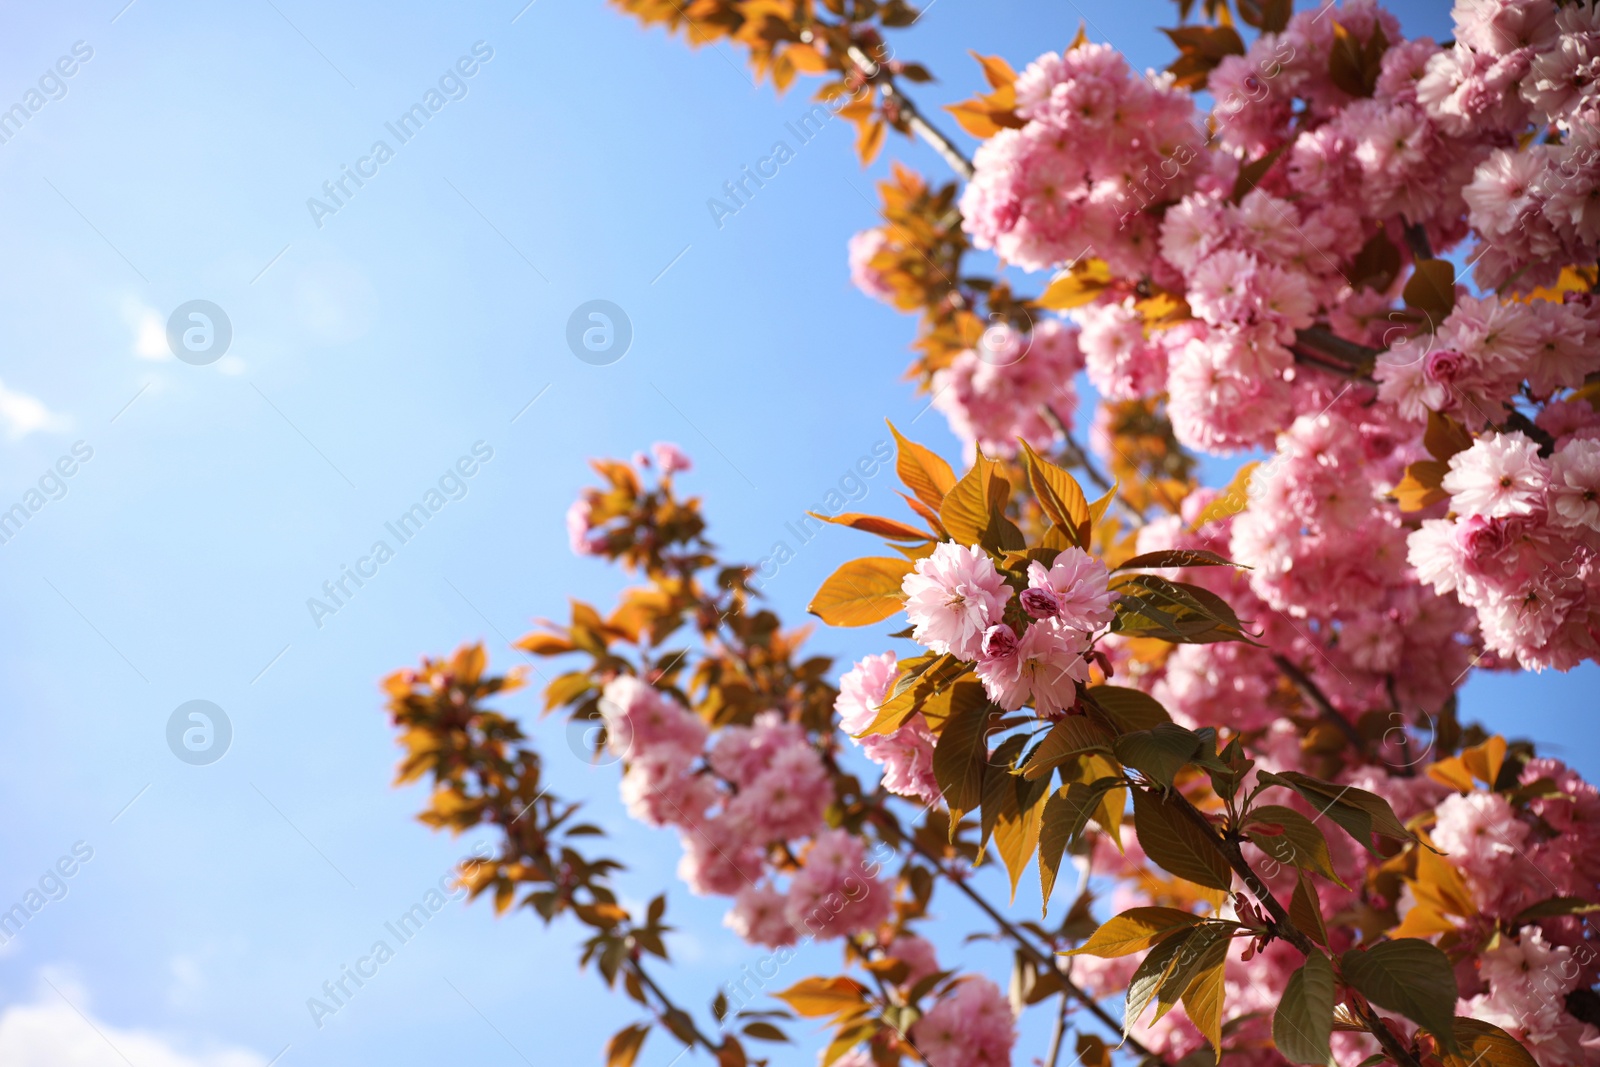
1233 709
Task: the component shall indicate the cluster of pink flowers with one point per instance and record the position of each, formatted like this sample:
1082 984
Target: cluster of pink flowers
744 800
906 755
956 601
1000 391
972 1026
1066 181
1511 859
1522 546
586 537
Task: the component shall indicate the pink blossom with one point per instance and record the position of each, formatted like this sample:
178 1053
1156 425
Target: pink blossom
972 1026
579 524
1079 583
836 892
864 246
1501 474
669 457
952 596
862 689
758 917
786 800
1481 835
1575 484
1043 668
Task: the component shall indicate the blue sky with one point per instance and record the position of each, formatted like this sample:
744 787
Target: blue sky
368 355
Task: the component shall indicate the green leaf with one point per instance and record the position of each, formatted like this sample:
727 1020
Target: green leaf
1204 949
958 760
624 1046
1305 911
1134 930
1060 495
1072 736
1299 844
1552 907
1410 977
1175 557
924 472
1150 976
1178 845
1127 710
1158 753
1302 1027
973 512
1360 813
1066 813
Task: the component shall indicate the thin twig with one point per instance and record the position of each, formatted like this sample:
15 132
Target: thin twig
875 73
670 1009
1028 948
1314 694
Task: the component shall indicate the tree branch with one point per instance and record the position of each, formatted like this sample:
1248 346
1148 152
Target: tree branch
1282 925
1323 343
875 73
1318 699
669 1010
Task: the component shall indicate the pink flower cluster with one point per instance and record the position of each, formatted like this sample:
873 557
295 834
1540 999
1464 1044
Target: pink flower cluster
972 1026
1521 546
997 392
956 601
586 537
741 803
1064 183
906 755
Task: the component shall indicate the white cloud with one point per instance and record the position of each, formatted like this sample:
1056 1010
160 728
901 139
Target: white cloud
51 1033
22 414
149 330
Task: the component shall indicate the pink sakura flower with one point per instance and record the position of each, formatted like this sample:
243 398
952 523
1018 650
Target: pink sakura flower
659 789
952 596
836 891
1121 362
1501 474
718 857
578 526
1043 668
1481 835
758 917
862 690
971 1027
641 719
917 954
787 800
669 457
1575 484
906 757
1080 585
